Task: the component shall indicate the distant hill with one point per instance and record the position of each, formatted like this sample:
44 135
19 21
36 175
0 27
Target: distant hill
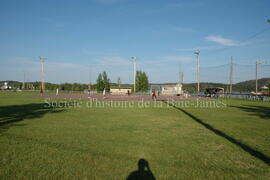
250 84
245 86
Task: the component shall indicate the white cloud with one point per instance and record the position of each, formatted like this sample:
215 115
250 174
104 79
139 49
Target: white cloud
49 64
115 66
65 65
223 41
219 40
22 60
54 71
199 48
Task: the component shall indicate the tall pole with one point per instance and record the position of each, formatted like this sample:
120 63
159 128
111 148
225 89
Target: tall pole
198 72
23 87
181 74
181 77
231 75
90 78
179 71
42 89
119 82
257 71
73 86
134 73
257 63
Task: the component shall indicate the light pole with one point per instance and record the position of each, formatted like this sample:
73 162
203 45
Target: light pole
134 58
73 84
42 60
198 71
23 86
257 71
231 75
90 79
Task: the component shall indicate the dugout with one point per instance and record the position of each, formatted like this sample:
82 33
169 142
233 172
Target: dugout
214 92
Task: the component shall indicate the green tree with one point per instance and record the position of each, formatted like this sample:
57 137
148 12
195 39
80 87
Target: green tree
103 82
100 83
142 83
36 85
106 81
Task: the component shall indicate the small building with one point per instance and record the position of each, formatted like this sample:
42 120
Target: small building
172 89
120 91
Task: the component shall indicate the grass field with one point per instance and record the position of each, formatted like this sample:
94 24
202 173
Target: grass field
231 142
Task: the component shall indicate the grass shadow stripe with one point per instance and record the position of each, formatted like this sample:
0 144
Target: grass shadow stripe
257 154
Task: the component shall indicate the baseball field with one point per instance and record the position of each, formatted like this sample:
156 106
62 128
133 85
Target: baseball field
92 137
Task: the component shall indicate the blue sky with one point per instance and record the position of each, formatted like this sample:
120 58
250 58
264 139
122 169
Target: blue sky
105 34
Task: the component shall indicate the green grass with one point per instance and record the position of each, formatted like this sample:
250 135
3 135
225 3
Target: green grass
232 142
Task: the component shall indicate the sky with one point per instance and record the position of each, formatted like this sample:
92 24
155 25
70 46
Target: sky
82 38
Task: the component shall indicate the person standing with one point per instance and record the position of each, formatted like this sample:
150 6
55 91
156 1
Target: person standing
104 93
154 97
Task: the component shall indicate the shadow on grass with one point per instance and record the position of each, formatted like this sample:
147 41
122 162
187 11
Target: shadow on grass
243 146
143 172
10 115
260 111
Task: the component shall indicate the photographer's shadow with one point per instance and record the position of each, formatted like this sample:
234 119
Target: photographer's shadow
143 172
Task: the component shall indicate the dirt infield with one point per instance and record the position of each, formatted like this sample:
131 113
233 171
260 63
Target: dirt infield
110 97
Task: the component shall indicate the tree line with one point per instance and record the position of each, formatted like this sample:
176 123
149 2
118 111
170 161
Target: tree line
142 84
102 82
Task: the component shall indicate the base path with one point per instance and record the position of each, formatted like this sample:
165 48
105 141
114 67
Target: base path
110 97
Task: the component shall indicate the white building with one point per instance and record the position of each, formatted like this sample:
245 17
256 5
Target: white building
171 89
120 91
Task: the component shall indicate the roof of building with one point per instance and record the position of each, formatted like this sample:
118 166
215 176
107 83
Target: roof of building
120 88
170 85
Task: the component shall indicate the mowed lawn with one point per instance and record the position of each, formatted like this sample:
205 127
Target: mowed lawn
231 142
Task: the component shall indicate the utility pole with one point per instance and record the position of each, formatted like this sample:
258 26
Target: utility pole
90 78
181 75
231 75
198 71
73 86
23 86
257 64
42 88
257 71
119 82
134 69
